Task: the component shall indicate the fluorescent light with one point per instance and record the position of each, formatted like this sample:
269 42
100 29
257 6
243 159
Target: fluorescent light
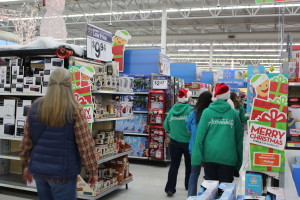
223 55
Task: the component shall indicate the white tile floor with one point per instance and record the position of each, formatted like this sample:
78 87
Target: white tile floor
148 184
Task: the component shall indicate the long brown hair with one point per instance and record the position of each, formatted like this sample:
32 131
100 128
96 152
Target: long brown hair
57 106
233 97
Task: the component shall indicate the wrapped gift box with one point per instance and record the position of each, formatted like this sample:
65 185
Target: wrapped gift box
260 106
278 87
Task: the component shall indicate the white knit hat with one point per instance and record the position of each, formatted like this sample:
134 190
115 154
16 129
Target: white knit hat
89 71
184 95
221 91
123 34
258 79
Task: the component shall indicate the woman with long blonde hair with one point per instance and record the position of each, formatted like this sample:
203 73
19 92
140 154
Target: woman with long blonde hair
57 141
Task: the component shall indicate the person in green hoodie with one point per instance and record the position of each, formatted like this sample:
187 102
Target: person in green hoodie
179 140
219 140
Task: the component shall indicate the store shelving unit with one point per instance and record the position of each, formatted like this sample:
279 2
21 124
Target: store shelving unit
140 112
105 159
137 134
112 119
107 191
14 180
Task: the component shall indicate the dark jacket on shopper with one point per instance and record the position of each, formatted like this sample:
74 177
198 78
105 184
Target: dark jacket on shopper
54 152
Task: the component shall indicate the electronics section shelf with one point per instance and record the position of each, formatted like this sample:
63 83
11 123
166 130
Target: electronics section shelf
23 94
11 156
112 119
11 138
105 159
107 191
111 92
137 134
14 181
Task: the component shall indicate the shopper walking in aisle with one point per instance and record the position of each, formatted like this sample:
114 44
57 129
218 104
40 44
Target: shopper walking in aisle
192 124
179 140
56 141
239 107
219 138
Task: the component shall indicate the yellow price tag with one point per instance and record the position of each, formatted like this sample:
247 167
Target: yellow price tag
291 144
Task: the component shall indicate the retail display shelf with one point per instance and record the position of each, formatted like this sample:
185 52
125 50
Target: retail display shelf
138 157
112 119
276 175
111 92
107 191
11 156
11 138
137 134
22 94
105 159
145 112
294 84
141 92
14 181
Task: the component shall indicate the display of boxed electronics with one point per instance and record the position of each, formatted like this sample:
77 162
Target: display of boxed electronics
293 124
253 184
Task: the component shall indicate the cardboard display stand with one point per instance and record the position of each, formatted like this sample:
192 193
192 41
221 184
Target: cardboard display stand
267 125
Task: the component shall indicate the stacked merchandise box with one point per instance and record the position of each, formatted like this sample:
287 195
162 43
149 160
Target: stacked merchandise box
7 117
293 123
156 142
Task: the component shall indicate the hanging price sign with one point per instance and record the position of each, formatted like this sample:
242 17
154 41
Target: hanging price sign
98 43
159 82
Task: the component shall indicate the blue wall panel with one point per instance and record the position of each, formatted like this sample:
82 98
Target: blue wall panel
208 77
185 71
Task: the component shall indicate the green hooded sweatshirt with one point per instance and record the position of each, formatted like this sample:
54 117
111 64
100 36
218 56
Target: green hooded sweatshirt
219 136
175 122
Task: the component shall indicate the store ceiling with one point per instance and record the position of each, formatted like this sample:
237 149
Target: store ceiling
239 32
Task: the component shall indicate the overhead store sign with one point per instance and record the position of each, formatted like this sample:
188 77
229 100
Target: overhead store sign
98 43
273 1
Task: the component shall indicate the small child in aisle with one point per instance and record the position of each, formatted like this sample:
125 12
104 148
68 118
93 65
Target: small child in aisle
192 124
179 139
219 138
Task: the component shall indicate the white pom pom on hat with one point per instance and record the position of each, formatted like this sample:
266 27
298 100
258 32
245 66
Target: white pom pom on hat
184 95
221 91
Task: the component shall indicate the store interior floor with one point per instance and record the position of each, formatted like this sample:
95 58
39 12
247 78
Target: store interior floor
148 184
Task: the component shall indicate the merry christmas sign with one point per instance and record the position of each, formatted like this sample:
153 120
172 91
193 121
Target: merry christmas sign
268 122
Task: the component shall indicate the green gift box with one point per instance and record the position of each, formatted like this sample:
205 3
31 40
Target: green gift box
260 155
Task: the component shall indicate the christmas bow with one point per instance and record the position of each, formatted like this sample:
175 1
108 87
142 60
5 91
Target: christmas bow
272 116
282 101
280 79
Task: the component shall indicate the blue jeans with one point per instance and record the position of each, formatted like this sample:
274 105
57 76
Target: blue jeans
193 182
48 190
176 151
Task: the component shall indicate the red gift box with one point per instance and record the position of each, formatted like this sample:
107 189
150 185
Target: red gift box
76 78
83 95
260 106
278 87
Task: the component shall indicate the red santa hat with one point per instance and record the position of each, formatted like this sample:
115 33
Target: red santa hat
184 95
221 91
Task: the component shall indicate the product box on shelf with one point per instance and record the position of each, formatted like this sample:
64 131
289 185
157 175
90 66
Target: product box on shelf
293 123
17 70
19 127
22 108
156 106
5 75
139 145
17 79
275 193
140 103
17 88
4 166
8 108
296 176
136 124
32 85
52 63
141 83
7 127
209 184
298 67
228 191
241 197
253 184
15 62
156 142
5 88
